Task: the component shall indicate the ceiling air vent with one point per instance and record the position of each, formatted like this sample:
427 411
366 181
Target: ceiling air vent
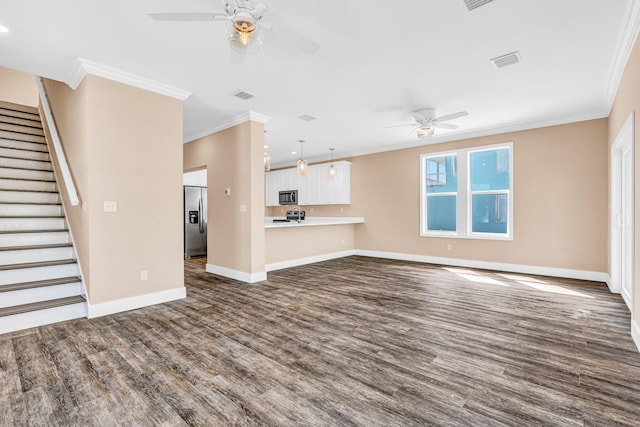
506 60
242 95
474 4
307 117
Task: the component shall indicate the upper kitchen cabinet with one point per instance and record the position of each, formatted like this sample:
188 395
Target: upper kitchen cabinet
314 189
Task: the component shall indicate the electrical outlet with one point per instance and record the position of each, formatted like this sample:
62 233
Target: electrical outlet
227 192
144 275
342 242
110 206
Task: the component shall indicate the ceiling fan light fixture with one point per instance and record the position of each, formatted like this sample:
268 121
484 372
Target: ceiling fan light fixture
425 132
244 34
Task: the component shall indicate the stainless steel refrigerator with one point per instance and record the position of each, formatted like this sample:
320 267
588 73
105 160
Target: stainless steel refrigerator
195 221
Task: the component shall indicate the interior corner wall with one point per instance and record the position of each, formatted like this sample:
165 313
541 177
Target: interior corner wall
560 200
18 87
627 100
233 157
123 144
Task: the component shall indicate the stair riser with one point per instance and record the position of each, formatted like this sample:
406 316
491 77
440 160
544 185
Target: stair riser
23 114
28 239
33 319
21 121
30 210
23 275
9 143
44 293
21 136
25 164
24 154
8 257
9 127
23 224
26 197
26 174
16 184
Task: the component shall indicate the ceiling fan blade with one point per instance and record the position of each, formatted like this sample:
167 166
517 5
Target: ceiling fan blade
401 126
259 10
287 35
415 128
445 125
451 116
189 16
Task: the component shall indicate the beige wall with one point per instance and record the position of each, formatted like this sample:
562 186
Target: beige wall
560 193
18 87
285 244
123 144
234 159
628 100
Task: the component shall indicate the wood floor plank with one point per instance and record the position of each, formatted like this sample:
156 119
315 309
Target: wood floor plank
349 342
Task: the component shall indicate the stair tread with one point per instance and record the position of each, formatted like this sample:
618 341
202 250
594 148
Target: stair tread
29 247
27 179
31 203
47 230
37 264
25 149
20 158
31 216
42 305
39 284
29 191
19 107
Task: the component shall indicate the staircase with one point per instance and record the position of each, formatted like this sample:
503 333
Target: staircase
39 275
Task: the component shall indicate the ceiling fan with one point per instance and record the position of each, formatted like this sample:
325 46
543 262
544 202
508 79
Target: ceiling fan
245 25
425 122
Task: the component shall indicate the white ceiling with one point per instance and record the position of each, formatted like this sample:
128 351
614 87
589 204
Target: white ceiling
378 61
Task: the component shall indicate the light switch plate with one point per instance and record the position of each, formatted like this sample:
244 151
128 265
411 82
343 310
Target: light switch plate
110 206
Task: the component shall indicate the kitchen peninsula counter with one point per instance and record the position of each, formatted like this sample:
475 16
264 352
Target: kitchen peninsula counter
314 239
312 221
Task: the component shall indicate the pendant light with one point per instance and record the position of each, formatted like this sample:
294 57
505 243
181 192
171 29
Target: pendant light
267 162
332 168
302 163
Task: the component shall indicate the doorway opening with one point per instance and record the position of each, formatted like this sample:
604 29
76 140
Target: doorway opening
622 212
195 218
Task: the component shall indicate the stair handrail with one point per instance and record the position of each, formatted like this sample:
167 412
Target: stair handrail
67 178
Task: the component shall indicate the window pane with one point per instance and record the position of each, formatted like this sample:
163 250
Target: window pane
441 175
489 213
490 170
441 213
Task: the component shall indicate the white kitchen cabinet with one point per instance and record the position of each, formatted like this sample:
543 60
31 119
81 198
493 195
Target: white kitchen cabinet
314 189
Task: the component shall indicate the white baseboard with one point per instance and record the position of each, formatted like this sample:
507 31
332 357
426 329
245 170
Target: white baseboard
635 333
236 275
308 260
131 303
595 276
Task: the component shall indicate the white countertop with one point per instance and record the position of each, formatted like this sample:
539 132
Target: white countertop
311 221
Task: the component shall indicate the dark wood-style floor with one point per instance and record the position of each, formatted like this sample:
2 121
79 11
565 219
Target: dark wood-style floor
354 341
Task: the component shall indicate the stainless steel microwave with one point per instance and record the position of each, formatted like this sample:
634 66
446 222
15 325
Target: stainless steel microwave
289 197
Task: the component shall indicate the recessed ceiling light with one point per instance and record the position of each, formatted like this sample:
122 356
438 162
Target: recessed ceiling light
266 146
293 153
3 29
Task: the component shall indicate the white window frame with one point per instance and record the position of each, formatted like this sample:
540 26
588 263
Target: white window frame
464 195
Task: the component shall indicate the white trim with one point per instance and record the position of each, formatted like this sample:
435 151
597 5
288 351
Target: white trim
308 260
635 333
625 44
57 145
83 66
236 275
231 122
132 303
595 276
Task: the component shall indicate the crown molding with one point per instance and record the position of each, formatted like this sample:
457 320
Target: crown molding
82 67
626 41
514 127
233 121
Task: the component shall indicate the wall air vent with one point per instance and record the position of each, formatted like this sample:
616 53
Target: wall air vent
242 95
307 117
474 4
506 60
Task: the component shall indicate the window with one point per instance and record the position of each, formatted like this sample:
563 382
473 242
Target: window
468 193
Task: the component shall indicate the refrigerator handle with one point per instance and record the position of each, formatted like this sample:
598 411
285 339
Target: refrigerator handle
205 222
200 227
